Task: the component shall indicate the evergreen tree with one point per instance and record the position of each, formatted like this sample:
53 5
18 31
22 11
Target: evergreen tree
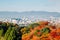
12 34
1 32
7 33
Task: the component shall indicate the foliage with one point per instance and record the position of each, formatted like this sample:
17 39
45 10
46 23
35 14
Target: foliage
12 34
34 31
33 25
45 30
7 33
1 32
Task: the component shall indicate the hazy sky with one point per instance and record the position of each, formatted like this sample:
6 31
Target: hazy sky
30 5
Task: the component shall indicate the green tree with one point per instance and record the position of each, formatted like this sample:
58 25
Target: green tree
7 33
45 30
12 34
1 33
33 25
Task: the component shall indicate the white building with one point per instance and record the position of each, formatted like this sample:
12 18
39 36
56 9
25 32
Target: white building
14 21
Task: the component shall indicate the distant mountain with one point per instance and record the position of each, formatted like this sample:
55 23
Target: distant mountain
28 13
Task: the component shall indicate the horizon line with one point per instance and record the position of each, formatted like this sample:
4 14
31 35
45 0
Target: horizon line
29 11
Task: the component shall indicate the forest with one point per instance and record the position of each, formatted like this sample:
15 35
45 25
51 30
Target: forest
42 30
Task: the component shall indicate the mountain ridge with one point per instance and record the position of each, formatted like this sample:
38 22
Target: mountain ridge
29 13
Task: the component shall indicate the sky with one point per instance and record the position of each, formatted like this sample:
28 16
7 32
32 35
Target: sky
30 5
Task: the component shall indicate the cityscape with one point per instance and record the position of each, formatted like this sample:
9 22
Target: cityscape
29 19
26 21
